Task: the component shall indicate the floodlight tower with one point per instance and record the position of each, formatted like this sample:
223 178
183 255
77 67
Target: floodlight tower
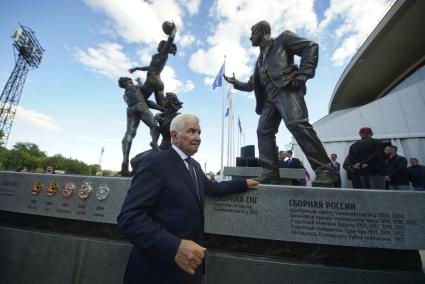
28 54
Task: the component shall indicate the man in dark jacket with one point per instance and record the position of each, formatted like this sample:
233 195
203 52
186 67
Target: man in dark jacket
279 87
395 169
416 173
163 213
365 161
337 167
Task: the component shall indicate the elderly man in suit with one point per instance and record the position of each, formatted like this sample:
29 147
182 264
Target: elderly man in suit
163 213
279 87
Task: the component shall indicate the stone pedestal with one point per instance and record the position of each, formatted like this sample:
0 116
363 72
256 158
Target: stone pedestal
275 234
286 175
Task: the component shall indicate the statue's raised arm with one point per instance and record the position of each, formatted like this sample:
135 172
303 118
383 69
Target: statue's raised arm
153 83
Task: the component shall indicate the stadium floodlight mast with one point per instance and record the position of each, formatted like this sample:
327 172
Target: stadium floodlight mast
28 54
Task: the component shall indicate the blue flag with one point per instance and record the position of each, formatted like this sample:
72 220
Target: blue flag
218 82
227 112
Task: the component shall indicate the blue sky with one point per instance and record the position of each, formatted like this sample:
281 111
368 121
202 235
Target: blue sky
72 104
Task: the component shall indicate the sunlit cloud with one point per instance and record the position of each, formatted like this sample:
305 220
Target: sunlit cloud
36 119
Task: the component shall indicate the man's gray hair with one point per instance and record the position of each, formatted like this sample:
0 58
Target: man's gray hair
177 124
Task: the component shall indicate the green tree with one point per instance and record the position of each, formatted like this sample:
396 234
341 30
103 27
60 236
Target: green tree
3 154
24 154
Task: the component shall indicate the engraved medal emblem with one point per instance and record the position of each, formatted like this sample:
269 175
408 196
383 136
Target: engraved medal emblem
68 190
84 191
102 192
37 187
52 188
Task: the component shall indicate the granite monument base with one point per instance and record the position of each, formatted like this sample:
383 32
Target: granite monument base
235 269
53 231
287 175
29 256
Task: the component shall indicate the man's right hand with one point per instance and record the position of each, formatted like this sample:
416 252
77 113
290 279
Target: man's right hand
230 80
189 256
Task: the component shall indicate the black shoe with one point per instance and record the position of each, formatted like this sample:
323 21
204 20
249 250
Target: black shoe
326 176
267 180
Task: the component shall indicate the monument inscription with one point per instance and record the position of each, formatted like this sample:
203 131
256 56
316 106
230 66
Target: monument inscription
373 218
339 220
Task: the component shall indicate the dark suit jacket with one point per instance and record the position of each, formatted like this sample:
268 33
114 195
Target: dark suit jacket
337 167
370 151
295 163
279 62
161 208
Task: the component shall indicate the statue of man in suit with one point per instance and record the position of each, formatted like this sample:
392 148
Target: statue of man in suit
279 87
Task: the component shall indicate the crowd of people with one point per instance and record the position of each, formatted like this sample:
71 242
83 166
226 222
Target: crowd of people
46 170
371 164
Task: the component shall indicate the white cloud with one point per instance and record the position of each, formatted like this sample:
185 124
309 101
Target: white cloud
185 40
232 30
209 61
107 59
36 119
188 86
145 54
192 6
353 21
89 139
172 84
141 21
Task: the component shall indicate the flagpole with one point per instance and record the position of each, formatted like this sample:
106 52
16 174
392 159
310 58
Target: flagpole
239 135
229 106
222 122
233 137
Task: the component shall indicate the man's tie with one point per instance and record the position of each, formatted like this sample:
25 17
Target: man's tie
189 161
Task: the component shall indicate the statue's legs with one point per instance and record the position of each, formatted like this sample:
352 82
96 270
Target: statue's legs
148 118
159 96
291 106
268 126
155 85
132 124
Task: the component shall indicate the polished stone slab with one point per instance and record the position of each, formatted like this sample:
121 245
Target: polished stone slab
285 173
236 269
16 195
42 257
345 217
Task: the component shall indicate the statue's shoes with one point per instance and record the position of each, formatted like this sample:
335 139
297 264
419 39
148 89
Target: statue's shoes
326 176
267 180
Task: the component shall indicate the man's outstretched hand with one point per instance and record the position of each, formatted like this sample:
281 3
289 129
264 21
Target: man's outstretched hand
189 256
230 80
252 183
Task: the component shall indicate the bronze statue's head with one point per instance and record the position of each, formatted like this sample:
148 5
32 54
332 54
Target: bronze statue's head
172 102
172 49
259 31
123 80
